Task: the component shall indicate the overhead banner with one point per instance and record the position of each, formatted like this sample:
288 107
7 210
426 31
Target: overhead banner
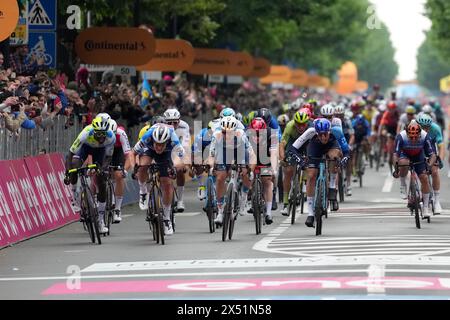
261 68
115 46
170 55
348 77
213 61
317 81
278 73
299 78
244 63
9 18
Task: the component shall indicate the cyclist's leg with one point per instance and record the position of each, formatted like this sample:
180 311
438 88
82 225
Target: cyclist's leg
348 172
118 160
268 197
420 169
142 175
246 186
403 172
333 154
221 176
181 180
76 161
436 186
98 156
288 172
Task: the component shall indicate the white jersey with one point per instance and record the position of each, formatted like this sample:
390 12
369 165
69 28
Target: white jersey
305 137
403 121
86 137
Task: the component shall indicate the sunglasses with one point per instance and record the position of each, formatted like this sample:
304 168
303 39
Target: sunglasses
171 123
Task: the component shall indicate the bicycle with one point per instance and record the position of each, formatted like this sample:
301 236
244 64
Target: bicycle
258 202
232 205
296 193
360 165
89 211
211 197
110 197
414 195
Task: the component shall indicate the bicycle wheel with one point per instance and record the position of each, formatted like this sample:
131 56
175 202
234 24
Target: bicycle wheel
233 216
360 163
227 212
108 217
341 187
160 221
293 200
415 202
280 185
85 210
302 194
256 201
93 214
173 210
209 206
318 206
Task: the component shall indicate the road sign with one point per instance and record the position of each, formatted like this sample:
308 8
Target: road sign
42 15
42 47
125 71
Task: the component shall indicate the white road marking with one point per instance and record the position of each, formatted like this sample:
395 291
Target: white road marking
74 251
388 183
127 215
187 214
375 274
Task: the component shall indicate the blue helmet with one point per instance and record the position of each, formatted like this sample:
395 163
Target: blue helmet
227 112
322 125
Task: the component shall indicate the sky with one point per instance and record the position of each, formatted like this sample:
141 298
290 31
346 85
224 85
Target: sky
406 24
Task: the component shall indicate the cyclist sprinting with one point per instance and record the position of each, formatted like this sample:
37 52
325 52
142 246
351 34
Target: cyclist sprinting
227 145
172 117
161 145
121 157
362 131
435 134
413 145
427 109
294 129
266 148
388 126
321 141
97 140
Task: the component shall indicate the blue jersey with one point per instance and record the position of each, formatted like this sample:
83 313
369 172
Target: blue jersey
361 128
339 135
147 142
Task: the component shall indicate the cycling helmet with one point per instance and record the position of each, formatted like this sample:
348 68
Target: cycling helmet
410 110
308 106
228 123
340 109
258 124
265 114
172 115
283 119
161 134
322 125
113 125
100 124
313 102
158 119
392 105
382 107
301 117
413 130
104 115
227 112
327 110
296 104
307 111
424 120
427 109
239 116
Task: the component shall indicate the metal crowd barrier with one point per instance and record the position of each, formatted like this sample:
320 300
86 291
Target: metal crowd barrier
31 142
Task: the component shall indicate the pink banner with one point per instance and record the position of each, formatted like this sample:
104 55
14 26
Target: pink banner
33 197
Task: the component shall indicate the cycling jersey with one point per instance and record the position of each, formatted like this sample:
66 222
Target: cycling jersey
390 119
291 132
122 140
86 137
369 114
362 130
403 121
435 135
263 146
347 128
310 134
201 142
146 144
237 147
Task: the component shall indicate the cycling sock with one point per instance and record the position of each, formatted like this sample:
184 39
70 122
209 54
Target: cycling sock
142 188
269 208
436 196
333 180
426 199
101 207
285 197
119 203
403 181
310 201
167 212
180 191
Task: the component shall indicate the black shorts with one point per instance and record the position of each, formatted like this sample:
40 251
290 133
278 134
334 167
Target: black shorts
98 154
392 131
118 158
163 160
316 150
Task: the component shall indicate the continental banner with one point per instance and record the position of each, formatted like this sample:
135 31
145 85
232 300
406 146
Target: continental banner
170 55
317 81
115 46
299 78
9 17
213 61
261 68
278 73
244 63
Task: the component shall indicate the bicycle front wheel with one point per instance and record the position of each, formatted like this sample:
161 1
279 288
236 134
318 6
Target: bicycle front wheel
210 206
227 212
415 202
256 203
93 215
86 212
318 206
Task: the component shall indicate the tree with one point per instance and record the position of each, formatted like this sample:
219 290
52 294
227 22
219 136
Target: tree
431 67
439 13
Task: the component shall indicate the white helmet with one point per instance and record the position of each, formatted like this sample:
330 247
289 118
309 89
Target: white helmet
228 123
104 115
427 109
327 110
382 107
172 114
283 119
113 125
161 134
340 109
296 104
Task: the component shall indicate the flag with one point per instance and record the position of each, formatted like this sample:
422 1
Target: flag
146 92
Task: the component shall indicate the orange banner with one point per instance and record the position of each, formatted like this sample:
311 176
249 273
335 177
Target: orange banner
278 73
9 16
261 68
362 86
299 78
213 61
244 63
115 46
170 55
348 77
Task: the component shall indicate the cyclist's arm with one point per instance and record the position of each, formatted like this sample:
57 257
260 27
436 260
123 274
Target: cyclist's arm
429 150
339 135
398 147
306 136
212 150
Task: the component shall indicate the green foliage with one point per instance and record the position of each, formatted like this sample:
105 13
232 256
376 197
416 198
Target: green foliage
439 13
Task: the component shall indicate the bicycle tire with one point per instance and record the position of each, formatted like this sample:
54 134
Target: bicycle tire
210 206
93 213
256 197
233 216
227 212
293 199
173 210
280 185
109 207
341 187
318 209
360 168
160 221
87 216
415 201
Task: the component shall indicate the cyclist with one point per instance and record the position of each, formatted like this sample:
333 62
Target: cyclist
159 144
349 134
121 157
435 134
413 145
96 140
229 142
294 129
172 117
427 109
283 120
388 127
327 112
266 156
405 118
148 125
362 132
437 109
321 141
